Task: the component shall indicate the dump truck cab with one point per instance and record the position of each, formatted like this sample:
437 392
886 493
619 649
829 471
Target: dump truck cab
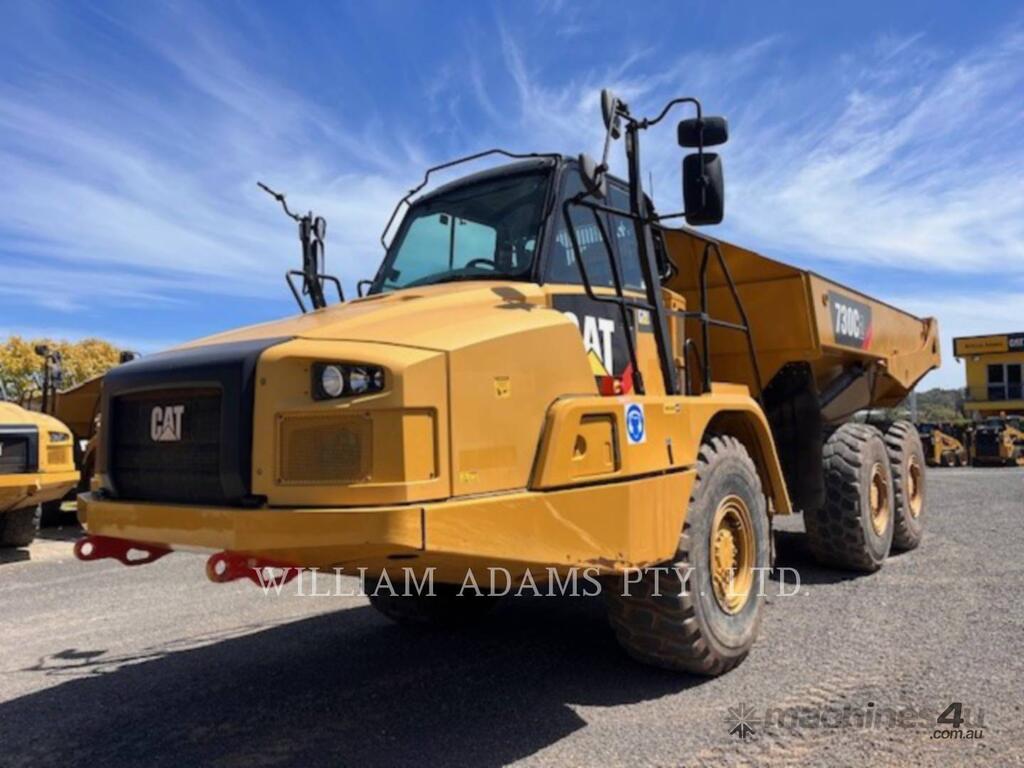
542 377
36 466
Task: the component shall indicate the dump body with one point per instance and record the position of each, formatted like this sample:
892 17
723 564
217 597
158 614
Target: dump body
78 407
797 316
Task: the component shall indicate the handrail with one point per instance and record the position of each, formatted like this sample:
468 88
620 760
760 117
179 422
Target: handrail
624 303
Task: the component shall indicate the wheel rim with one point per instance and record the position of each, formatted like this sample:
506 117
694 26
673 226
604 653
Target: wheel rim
878 499
915 486
732 554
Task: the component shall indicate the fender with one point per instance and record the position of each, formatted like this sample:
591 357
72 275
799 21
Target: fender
583 441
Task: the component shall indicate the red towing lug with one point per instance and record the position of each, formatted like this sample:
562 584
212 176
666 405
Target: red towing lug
231 566
101 547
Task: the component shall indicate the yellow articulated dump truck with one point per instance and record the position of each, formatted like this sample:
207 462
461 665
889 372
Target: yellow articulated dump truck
943 444
543 376
36 466
77 407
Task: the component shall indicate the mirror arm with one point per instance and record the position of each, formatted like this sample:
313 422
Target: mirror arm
279 196
667 216
647 123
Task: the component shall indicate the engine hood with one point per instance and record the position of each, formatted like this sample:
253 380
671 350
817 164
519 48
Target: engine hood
439 317
11 414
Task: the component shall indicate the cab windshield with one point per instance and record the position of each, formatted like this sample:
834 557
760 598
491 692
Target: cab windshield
479 231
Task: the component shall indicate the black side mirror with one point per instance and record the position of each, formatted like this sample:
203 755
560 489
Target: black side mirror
713 130
703 189
593 176
126 356
609 107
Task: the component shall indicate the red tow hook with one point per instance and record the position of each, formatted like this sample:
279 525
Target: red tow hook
101 547
231 566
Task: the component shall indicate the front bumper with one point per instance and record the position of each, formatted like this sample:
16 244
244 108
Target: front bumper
17 491
608 527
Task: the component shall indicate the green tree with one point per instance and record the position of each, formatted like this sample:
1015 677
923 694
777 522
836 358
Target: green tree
22 368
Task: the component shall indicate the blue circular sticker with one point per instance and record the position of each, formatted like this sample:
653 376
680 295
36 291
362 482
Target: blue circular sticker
635 427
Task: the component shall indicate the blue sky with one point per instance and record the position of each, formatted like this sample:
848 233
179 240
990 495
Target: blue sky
877 143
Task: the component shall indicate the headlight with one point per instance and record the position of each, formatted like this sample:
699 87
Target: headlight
334 380
59 437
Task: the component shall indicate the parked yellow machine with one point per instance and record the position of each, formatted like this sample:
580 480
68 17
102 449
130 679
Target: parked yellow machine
451 420
998 441
943 445
78 408
36 466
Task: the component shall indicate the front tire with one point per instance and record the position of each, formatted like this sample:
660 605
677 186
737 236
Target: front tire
854 529
707 623
18 528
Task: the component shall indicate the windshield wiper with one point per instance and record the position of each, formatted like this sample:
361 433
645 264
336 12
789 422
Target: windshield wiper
456 277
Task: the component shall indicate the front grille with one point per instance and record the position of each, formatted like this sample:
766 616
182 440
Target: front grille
19 449
209 461
166 445
58 455
322 450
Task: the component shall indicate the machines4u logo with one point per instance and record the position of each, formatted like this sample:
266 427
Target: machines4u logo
851 321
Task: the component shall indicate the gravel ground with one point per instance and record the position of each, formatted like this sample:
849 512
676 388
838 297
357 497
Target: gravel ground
108 666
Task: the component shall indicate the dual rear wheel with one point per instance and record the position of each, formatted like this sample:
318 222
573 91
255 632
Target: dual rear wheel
875 497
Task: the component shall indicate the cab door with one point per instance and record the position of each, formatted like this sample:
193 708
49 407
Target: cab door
602 330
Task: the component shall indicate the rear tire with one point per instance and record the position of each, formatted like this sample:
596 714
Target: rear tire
906 460
702 627
854 529
18 527
446 607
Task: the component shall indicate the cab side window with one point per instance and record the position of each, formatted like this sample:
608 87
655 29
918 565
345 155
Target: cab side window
621 233
562 266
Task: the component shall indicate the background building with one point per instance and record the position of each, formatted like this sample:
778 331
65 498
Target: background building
994 373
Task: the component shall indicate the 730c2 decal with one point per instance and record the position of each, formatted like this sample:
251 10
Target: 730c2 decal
851 321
